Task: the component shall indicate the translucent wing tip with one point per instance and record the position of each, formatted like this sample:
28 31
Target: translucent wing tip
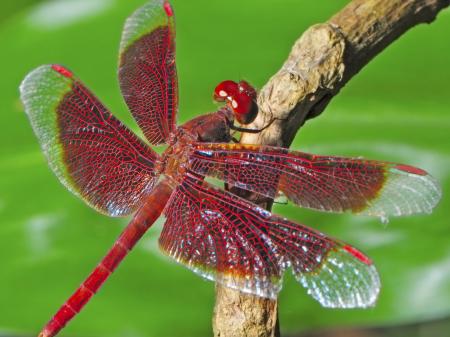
41 90
32 81
408 190
145 19
345 279
29 83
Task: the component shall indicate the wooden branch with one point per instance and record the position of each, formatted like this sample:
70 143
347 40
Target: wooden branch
238 314
321 62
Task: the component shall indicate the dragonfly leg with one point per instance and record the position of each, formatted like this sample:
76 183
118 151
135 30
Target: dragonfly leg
242 129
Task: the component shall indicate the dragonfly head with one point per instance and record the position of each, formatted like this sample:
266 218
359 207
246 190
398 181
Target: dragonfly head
240 97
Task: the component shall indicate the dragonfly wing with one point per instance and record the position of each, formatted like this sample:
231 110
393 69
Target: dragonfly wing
333 184
92 153
147 71
227 239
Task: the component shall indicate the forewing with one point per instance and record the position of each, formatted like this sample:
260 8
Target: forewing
147 71
332 184
227 239
91 152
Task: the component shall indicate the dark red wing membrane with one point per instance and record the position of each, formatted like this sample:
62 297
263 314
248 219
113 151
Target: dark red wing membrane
147 72
92 153
331 184
225 238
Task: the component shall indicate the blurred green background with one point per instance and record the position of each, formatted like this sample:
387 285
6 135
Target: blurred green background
396 109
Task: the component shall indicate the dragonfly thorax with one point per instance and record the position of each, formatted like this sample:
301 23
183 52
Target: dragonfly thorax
211 128
174 160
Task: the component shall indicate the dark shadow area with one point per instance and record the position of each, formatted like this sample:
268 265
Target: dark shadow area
436 328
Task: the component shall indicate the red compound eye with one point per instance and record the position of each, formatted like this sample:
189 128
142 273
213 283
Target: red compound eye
225 90
242 105
241 98
247 88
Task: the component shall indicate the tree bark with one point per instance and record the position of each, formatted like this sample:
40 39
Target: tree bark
321 62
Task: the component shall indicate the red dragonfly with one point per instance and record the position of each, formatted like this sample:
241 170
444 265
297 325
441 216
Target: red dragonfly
211 231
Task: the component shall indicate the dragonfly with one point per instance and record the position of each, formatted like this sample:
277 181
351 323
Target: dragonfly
211 231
